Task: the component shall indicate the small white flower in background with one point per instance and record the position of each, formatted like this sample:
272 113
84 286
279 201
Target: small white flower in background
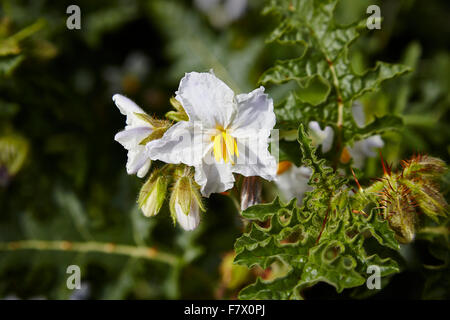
128 76
321 137
222 12
225 133
358 114
292 181
135 131
82 294
363 148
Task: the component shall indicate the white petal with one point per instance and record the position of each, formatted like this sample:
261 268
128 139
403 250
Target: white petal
358 114
206 5
254 114
328 141
188 222
321 137
184 143
130 138
137 159
144 169
364 148
129 108
294 183
235 8
315 127
255 159
206 99
135 131
213 177
371 143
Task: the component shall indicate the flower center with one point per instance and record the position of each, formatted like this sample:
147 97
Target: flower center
225 146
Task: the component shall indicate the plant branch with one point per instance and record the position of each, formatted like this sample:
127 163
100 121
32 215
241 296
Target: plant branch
149 253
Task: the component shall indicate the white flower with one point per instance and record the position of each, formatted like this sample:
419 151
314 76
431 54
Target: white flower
363 148
358 114
225 133
129 75
135 131
321 137
221 13
293 183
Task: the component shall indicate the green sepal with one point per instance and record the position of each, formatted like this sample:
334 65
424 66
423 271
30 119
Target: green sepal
180 114
177 116
155 135
181 194
154 123
153 193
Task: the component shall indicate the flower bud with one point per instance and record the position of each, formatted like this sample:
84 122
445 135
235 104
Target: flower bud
186 203
153 193
250 192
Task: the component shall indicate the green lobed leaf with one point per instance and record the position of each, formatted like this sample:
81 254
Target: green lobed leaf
321 241
311 24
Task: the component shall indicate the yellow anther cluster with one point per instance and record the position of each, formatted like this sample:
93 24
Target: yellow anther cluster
225 147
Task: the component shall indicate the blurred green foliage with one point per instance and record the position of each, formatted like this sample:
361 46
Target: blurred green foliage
67 180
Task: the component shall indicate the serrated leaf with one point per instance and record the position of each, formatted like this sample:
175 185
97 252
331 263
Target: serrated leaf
323 240
377 126
311 24
263 211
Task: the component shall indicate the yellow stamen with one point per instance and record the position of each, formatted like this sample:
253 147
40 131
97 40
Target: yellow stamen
217 148
225 146
229 142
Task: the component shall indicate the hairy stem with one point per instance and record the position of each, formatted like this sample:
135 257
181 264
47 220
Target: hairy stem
143 252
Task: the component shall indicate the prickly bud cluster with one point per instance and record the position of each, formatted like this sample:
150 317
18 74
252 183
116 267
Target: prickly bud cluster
412 191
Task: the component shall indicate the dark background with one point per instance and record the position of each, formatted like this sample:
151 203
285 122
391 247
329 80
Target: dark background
73 185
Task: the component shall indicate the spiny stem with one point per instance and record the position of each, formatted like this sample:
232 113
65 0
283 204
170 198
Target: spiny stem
324 223
340 104
149 253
